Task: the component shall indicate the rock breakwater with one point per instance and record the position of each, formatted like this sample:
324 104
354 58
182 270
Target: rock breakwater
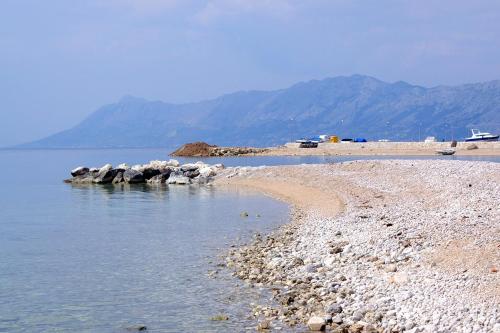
202 149
154 172
415 250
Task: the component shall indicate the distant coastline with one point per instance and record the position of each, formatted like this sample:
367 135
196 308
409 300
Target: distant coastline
406 148
345 106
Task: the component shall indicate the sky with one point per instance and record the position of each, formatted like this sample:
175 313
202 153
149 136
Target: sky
60 60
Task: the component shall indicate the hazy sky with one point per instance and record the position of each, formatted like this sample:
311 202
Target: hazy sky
62 59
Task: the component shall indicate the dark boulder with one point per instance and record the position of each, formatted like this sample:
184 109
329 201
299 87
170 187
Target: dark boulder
166 172
105 176
133 177
80 171
192 174
150 173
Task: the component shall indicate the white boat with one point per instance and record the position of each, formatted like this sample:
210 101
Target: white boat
477 135
430 139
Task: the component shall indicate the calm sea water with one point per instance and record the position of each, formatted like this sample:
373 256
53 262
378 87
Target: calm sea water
103 258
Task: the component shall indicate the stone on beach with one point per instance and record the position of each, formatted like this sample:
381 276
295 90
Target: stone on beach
264 325
431 271
316 323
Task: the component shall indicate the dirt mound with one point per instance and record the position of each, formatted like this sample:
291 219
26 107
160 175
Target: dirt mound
194 149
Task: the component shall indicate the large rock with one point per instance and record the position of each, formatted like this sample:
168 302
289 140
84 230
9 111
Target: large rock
472 146
180 179
200 180
105 175
190 167
83 179
173 163
148 173
207 172
166 172
105 168
80 171
123 166
119 177
192 174
132 176
316 323
158 179
161 165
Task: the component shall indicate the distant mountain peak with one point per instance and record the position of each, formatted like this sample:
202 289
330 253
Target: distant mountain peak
129 99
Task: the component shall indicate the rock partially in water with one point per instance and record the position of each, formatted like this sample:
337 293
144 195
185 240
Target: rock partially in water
105 175
136 328
220 317
132 176
80 171
118 178
192 173
158 179
150 173
155 172
179 179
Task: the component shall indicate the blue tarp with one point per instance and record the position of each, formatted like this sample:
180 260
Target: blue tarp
359 140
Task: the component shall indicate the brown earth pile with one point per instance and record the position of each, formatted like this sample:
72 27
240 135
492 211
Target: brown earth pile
194 149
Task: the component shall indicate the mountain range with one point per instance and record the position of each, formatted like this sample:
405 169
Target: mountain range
353 106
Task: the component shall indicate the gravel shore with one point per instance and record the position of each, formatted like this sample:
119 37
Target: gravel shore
385 149
378 246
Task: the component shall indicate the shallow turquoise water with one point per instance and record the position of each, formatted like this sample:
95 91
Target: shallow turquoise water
102 258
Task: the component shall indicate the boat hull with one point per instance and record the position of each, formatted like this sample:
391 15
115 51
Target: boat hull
491 138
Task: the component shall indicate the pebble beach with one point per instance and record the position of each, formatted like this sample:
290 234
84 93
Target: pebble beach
377 246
